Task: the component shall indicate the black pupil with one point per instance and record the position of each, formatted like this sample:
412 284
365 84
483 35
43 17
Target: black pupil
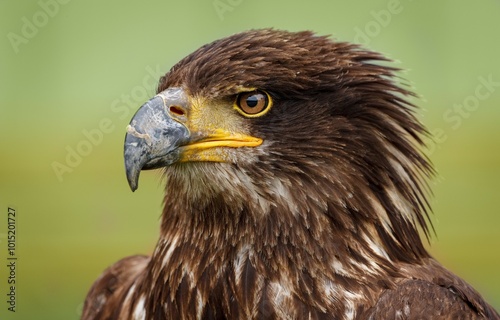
253 100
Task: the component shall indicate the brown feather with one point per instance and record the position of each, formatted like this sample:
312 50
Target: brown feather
322 225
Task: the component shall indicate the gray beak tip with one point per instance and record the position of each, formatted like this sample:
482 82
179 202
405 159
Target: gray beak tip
132 177
133 187
134 161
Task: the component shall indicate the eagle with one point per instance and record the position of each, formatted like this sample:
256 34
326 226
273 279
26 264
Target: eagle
295 188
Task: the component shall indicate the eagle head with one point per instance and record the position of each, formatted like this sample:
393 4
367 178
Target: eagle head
274 121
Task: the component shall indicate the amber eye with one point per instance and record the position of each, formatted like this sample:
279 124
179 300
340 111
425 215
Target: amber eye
254 103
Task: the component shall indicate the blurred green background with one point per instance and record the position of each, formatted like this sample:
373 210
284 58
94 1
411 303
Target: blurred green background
73 72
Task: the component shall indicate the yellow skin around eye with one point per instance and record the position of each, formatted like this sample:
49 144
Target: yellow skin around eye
215 131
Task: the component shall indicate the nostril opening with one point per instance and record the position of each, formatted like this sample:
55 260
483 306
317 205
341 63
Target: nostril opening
178 111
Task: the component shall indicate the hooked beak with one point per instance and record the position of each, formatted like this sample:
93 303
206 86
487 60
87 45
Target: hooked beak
153 136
